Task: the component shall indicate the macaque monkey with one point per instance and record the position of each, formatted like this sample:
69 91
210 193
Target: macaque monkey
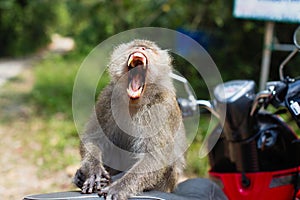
136 130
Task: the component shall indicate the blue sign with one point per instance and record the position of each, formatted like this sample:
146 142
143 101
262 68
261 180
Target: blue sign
268 10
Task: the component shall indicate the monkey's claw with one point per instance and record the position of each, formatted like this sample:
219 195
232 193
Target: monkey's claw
91 183
105 193
94 183
110 193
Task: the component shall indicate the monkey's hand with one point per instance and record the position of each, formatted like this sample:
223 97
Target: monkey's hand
91 181
114 192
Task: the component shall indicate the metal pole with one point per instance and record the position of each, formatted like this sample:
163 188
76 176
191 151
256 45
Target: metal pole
266 59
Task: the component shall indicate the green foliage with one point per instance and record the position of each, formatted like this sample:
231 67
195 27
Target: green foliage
194 164
25 25
235 45
52 92
51 100
98 20
51 97
58 139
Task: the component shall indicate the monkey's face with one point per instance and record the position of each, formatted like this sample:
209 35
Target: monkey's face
140 62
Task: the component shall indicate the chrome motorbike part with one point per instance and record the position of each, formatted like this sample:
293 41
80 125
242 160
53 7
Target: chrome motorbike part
297 37
282 65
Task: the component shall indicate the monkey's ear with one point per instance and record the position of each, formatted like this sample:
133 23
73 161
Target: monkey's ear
170 57
167 56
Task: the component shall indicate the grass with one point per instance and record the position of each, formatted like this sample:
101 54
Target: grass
51 100
52 91
197 165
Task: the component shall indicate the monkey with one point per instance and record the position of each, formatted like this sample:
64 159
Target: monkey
136 130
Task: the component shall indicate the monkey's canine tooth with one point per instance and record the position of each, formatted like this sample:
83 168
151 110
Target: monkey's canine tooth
130 60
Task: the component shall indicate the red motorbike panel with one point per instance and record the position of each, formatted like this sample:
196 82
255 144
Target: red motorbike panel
263 185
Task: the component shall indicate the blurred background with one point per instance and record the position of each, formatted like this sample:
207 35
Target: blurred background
44 42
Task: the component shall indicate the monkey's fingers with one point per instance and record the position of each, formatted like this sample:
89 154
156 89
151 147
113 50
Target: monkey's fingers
100 182
96 181
110 193
111 197
88 185
105 194
105 174
104 182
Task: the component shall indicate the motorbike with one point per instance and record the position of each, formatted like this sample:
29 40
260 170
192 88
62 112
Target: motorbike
257 154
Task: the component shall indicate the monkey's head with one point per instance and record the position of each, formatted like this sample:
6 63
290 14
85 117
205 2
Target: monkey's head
142 62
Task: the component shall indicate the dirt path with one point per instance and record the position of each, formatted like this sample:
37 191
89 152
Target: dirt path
20 171
11 68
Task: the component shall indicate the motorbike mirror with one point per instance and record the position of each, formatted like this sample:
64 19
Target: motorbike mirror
297 37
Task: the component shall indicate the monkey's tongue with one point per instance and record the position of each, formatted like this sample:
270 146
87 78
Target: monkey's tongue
135 88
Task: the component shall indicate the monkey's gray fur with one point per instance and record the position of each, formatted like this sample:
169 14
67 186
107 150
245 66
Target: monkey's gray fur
143 137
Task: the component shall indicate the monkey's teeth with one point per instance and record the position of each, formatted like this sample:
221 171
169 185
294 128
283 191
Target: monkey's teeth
136 56
130 60
134 94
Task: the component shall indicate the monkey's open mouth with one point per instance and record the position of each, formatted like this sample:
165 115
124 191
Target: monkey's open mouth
137 69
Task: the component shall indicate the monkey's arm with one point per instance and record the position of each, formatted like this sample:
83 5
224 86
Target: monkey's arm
92 175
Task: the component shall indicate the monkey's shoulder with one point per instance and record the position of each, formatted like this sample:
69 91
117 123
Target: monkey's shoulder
106 92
